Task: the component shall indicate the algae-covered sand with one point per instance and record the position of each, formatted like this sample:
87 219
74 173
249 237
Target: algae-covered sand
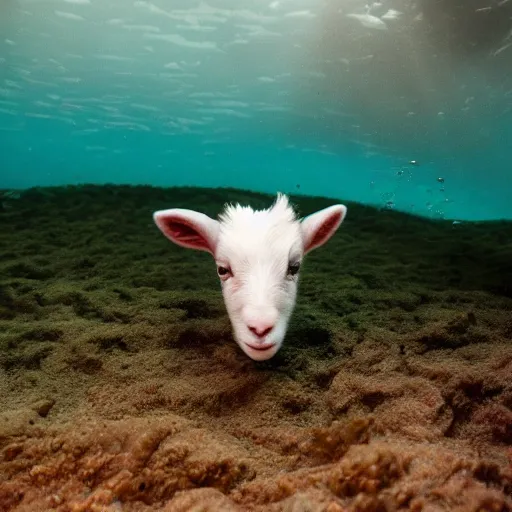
121 388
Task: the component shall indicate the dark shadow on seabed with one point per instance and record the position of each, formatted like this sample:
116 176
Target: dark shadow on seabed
120 384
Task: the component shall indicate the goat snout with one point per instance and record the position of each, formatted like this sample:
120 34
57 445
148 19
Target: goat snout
260 321
260 330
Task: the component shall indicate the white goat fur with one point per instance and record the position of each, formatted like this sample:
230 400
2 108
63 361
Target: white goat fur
258 254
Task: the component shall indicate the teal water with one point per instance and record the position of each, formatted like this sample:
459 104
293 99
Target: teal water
405 106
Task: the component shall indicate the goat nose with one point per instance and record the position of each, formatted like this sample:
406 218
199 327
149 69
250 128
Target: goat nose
260 330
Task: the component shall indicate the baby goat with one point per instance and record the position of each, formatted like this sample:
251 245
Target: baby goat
258 255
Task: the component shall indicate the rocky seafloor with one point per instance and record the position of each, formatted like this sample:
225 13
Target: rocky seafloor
121 388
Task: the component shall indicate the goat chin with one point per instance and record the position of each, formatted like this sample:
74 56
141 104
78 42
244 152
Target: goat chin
256 348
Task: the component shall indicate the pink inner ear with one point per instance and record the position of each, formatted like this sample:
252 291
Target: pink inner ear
325 230
182 232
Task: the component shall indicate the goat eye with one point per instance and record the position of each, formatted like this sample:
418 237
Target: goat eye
293 269
223 271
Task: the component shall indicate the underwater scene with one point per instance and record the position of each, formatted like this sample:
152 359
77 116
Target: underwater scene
255 256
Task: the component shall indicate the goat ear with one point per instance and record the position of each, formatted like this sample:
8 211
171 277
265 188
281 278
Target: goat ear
321 225
188 228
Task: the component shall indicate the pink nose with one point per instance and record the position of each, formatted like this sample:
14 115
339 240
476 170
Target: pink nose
261 330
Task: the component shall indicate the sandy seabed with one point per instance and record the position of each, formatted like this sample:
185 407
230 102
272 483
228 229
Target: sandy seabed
121 388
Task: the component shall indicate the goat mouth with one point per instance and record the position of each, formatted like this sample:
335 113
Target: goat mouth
261 348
